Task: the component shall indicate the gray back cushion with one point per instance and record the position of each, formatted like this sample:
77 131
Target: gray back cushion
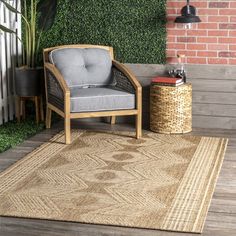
83 67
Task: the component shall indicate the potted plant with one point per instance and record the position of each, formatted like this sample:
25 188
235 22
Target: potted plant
37 16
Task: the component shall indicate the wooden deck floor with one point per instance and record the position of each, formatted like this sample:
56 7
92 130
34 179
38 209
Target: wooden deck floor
221 218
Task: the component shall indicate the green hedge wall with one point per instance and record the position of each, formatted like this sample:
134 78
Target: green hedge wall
135 28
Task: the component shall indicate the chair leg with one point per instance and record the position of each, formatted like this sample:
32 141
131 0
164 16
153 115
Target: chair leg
18 109
41 108
113 120
48 118
22 109
36 102
67 130
138 125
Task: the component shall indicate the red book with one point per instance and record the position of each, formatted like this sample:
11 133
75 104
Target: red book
167 80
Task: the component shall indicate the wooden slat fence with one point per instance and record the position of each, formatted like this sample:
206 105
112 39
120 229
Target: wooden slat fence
9 49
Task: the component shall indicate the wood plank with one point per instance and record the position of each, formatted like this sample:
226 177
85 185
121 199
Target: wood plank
211 85
205 90
5 58
220 110
52 228
223 206
227 220
147 70
218 72
214 122
214 97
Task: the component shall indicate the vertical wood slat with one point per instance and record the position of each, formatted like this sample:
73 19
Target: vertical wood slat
9 46
3 65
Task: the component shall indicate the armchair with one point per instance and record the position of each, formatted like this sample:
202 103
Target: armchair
85 81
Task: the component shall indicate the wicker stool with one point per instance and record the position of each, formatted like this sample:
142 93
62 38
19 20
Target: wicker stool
171 108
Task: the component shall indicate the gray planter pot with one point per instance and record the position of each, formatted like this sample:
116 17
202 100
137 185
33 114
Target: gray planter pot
28 81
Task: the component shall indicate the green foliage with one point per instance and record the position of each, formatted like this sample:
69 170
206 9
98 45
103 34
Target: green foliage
37 16
135 28
13 133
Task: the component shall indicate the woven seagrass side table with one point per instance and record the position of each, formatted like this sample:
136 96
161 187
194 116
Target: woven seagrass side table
171 108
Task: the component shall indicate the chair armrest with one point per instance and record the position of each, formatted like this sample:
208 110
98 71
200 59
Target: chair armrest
56 88
121 72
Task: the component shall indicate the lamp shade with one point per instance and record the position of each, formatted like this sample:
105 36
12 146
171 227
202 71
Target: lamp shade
187 19
188 15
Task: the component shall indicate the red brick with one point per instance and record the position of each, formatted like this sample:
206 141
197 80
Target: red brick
176 32
207 54
187 53
196 60
227 12
180 4
232 33
186 39
208 12
218 33
218 19
227 26
171 39
175 4
197 32
218 4
171 11
227 54
232 47
199 4
171 53
217 47
227 40
207 40
196 46
217 61
207 26
233 5
232 61
176 46
233 19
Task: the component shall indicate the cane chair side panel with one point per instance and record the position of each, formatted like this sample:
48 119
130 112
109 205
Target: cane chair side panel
55 93
121 81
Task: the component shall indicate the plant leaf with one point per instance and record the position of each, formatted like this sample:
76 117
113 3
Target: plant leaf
47 10
10 7
7 30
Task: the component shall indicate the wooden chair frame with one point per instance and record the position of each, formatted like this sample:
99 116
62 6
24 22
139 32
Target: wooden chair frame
67 115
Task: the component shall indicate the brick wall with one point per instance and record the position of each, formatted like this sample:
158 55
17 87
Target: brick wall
213 41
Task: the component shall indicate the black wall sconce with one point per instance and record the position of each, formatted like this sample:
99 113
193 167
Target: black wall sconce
188 15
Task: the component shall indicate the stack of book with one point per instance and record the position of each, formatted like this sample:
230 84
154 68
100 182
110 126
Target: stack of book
166 81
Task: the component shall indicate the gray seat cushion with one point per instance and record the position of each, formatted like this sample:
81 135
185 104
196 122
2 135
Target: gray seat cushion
83 67
100 99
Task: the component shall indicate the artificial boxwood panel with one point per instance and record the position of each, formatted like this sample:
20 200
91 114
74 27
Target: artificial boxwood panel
135 28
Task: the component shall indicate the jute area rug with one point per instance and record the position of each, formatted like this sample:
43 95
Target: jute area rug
159 182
